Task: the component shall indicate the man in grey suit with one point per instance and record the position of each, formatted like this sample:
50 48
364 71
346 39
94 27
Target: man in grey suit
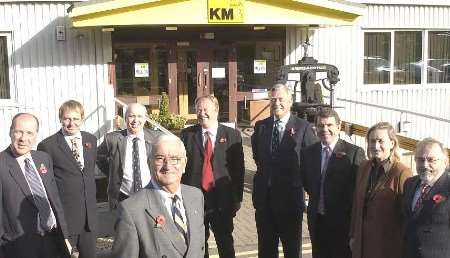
32 223
165 219
123 156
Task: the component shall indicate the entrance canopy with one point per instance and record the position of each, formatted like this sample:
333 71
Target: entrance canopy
204 12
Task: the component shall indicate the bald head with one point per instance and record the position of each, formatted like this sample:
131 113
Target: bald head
135 117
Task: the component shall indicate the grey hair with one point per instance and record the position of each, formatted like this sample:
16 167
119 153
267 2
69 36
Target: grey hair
138 105
283 87
173 139
429 141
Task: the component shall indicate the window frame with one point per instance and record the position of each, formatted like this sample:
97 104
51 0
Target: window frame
391 86
11 101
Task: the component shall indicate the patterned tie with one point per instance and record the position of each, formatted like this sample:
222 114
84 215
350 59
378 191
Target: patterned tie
276 136
423 194
76 152
46 218
137 181
326 157
207 171
178 218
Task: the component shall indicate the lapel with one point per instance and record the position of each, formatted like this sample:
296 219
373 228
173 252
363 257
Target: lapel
409 195
17 175
218 145
338 148
148 143
267 135
440 187
156 208
65 149
364 181
385 177
290 125
87 148
122 145
46 180
198 139
192 214
316 166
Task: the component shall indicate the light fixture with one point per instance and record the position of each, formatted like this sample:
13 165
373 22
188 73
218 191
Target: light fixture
171 28
259 27
107 29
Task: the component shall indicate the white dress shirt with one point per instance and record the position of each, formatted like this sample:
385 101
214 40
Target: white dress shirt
127 180
166 199
79 141
282 124
21 161
212 135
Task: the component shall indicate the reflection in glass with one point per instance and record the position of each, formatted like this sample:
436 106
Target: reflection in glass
438 57
4 76
408 57
377 55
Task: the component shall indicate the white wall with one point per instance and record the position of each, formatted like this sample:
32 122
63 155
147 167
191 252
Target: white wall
426 106
46 72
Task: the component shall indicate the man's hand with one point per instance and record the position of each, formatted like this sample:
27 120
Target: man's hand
350 243
68 245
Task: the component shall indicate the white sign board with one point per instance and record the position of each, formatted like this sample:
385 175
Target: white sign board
259 66
141 70
218 72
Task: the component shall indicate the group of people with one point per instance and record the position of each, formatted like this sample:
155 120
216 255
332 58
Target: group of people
169 192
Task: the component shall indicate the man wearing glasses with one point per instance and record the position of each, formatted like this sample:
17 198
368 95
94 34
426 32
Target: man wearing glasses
426 203
165 219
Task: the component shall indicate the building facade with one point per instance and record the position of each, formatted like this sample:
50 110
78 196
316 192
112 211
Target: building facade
393 57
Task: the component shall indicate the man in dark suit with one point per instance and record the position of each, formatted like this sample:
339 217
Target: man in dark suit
277 186
426 203
329 170
32 223
123 156
216 165
74 154
165 219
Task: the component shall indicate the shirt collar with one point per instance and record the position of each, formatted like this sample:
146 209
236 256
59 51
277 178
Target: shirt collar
386 164
21 159
77 135
332 145
212 131
164 194
284 119
139 135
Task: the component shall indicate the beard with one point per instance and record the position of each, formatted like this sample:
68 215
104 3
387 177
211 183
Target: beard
426 175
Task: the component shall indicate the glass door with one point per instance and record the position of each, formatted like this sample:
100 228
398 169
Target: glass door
187 81
220 81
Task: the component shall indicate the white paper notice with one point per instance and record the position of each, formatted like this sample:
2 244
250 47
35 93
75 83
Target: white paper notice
141 70
259 66
218 72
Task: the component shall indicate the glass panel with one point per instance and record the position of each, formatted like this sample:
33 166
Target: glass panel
219 81
141 71
377 55
408 57
438 57
191 72
4 74
270 55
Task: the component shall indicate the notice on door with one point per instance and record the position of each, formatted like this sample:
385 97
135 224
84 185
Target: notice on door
259 66
218 72
141 70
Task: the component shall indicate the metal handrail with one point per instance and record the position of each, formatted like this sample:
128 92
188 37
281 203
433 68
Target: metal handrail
154 124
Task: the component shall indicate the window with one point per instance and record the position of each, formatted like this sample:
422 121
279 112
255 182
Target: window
4 69
438 70
403 61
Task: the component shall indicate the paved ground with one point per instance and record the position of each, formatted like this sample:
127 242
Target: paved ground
245 236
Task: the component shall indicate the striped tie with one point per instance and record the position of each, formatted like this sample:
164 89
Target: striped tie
76 152
46 218
178 218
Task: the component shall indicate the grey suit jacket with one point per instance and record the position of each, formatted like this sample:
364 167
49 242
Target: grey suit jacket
18 213
111 159
138 235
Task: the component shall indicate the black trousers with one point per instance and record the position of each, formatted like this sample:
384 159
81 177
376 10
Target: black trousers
274 225
221 224
85 242
329 241
33 245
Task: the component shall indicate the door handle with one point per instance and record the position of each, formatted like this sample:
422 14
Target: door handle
205 80
199 77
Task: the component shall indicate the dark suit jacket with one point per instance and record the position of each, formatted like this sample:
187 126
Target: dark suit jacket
282 169
227 163
339 184
111 158
139 236
76 188
427 232
18 217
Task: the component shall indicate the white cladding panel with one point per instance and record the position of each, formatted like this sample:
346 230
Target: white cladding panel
425 107
47 72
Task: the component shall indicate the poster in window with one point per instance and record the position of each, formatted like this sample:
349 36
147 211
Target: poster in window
259 66
141 70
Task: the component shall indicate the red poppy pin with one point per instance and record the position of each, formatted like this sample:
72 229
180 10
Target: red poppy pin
88 145
292 131
340 155
437 198
43 169
160 221
222 140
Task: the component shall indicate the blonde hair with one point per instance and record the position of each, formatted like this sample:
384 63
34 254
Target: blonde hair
71 105
211 98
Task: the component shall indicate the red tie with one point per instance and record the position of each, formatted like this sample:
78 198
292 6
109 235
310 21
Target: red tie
207 176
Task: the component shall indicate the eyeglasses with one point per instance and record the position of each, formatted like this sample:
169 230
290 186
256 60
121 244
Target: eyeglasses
172 161
430 160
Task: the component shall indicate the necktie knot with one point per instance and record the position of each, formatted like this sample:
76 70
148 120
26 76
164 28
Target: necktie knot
425 188
135 140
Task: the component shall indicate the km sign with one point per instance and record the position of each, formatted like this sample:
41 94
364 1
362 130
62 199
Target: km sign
225 11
